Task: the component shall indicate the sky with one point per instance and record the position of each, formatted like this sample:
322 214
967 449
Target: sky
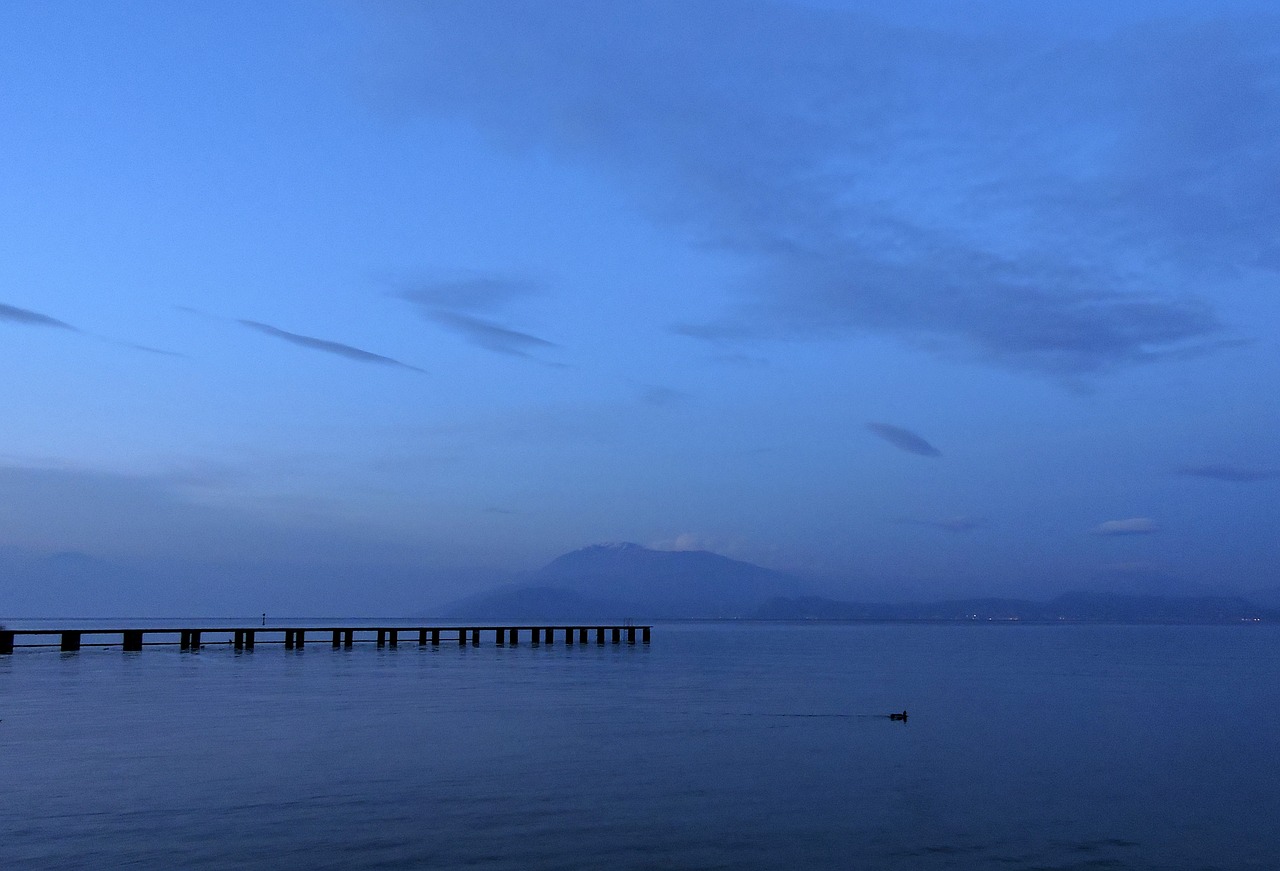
358 307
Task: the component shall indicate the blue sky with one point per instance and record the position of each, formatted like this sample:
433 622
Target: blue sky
361 306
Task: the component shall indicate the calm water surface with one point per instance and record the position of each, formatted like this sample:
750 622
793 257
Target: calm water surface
718 746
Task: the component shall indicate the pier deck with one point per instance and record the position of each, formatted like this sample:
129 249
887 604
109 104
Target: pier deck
296 637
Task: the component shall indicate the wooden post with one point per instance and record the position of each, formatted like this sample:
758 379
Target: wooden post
248 639
568 636
617 635
348 637
582 635
515 636
537 636
500 636
337 638
462 637
644 635
70 640
237 640
599 635
6 642
382 638
631 635
288 639
475 637
435 637
184 640
394 637
132 639
301 636
551 635
422 638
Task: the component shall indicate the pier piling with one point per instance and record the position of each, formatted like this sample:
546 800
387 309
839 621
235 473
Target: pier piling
295 638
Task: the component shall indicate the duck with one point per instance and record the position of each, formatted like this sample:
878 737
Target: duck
902 716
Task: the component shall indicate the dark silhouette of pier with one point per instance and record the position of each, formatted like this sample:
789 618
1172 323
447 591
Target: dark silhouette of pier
296 637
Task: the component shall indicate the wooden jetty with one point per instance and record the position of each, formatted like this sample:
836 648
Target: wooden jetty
296 637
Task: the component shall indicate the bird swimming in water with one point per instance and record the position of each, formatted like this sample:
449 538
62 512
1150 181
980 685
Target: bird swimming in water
902 716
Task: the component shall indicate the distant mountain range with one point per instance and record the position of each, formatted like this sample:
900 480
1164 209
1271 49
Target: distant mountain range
619 581
616 581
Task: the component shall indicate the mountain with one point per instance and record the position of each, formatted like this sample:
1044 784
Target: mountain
1070 607
628 580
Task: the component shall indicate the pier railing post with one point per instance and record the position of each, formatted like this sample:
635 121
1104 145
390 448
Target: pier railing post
6 642
435 637
337 638
70 641
184 640
288 639
568 636
462 637
500 637
515 636
248 639
301 636
382 638
599 635
582 635
631 635
551 635
132 640
394 637
644 635
348 637
237 640
422 638
617 635
475 637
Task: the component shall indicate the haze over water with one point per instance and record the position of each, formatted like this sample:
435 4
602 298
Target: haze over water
756 746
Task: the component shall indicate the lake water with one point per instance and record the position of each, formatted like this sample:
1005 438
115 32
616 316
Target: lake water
757 746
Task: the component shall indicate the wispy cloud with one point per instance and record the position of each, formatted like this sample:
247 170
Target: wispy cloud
488 335
664 397
1049 201
1129 526
1225 472
16 315
465 307
471 294
904 439
328 347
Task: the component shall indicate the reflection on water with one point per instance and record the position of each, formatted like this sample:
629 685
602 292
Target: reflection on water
719 746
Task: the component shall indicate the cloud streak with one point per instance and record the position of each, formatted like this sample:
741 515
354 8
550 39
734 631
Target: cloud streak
1232 474
16 315
1129 526
465 307
903 439
1042 201
488 335
348 352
